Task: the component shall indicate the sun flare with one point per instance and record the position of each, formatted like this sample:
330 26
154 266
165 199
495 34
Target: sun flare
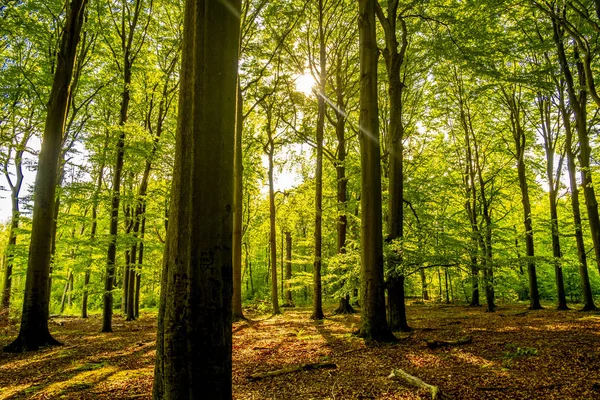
305 84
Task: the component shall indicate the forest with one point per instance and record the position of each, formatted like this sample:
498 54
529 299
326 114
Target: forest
290 199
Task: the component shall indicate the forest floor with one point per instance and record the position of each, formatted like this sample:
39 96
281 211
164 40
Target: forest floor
514 354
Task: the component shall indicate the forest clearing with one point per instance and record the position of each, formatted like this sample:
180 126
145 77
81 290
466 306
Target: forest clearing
169 169
514 354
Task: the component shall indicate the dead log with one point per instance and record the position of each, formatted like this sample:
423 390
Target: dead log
289 370
434 344
416 382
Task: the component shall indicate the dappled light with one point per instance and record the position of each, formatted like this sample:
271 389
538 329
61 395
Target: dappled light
274 199
513 355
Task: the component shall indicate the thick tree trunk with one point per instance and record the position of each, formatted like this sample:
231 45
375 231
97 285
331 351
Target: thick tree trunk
194 325
34 319
374 325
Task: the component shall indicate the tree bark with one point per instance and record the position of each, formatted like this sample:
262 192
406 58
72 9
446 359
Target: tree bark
397 317
34 319
374 325
194 326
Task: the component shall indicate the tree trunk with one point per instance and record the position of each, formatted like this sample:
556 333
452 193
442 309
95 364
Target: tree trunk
194 325
446 279
138 275
474 281
10 248
397 318
34 319
107 308
238 193
317 312
84 310
374 325
288 269
513 102
131 20
394 59
130 315
424 291
578 104
586 288
272 232
550 139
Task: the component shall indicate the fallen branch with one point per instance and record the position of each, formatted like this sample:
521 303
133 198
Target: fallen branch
416 382
434 344
517 314
289 370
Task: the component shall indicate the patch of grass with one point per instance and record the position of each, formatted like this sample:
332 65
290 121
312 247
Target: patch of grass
89 367
520 351
516 352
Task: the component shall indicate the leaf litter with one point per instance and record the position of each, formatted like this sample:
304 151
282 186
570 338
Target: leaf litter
513 354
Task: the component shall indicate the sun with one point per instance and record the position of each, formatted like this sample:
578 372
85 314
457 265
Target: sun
305 83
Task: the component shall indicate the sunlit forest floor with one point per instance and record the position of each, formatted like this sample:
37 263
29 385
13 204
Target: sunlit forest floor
514 354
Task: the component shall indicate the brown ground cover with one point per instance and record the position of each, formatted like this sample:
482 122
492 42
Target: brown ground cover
514 354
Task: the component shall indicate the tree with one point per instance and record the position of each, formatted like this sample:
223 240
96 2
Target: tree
317 312
131 42
374 325
194 326
34 320
513 100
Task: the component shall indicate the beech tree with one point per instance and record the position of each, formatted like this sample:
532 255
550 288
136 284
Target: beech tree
374 325
34 331
194 326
